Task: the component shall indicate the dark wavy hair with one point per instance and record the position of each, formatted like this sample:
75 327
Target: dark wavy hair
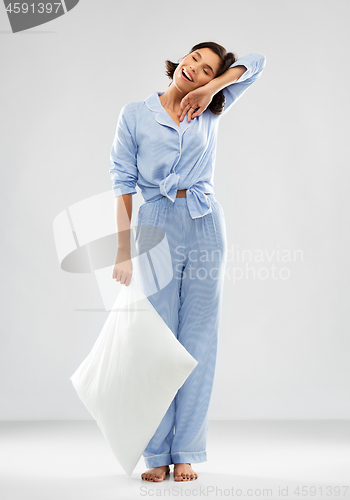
227 58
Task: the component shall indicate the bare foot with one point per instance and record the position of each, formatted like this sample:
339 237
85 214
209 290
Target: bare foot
156 474
184 472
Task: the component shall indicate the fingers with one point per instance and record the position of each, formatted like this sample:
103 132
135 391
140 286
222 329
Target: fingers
117 275
189 114
124 279
127 279
184 111
183 104
186 107
121 276
192 114
197 113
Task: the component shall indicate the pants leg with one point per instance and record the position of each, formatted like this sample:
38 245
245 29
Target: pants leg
159 229
191 306
199 321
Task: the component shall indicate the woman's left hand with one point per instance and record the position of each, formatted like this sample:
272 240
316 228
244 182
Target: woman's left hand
197 98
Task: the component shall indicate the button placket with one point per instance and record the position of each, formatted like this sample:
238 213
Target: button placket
172 178
178 154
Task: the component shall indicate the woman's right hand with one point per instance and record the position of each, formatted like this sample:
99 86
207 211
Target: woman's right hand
122 270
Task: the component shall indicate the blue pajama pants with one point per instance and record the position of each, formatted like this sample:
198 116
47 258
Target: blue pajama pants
182 273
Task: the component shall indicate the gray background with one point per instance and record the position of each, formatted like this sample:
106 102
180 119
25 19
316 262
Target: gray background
282 177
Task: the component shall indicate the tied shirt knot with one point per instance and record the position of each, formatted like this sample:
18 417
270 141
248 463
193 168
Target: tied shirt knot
198 203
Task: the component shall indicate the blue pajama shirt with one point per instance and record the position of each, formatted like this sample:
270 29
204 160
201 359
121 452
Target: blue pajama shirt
181 246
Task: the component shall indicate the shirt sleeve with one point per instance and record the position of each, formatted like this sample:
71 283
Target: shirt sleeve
123 156
255 63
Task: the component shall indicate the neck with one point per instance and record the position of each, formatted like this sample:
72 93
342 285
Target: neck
172 97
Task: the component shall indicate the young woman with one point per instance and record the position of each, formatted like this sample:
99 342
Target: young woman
181 234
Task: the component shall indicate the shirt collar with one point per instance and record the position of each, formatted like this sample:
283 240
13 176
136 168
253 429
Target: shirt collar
153 102
162 117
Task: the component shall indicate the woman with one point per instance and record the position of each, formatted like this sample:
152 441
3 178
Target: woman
181 233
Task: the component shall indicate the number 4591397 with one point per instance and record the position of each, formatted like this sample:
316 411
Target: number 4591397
41 8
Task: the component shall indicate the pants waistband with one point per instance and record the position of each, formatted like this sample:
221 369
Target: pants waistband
164 201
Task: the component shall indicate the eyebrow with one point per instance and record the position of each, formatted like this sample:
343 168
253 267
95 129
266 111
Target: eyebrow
199 55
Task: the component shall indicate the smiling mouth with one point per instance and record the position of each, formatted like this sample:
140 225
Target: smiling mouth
184 74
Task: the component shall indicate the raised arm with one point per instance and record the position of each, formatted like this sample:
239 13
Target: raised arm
238 78
124 175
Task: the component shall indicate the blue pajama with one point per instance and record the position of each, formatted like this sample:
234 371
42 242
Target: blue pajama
182 272
181 245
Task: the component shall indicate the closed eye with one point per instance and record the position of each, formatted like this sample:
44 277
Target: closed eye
203 70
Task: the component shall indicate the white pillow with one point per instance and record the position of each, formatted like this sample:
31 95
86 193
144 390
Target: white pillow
132 374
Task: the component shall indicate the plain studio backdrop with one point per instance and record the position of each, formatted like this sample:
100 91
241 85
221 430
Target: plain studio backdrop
281 176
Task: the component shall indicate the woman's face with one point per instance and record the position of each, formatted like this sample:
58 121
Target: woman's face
201 66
